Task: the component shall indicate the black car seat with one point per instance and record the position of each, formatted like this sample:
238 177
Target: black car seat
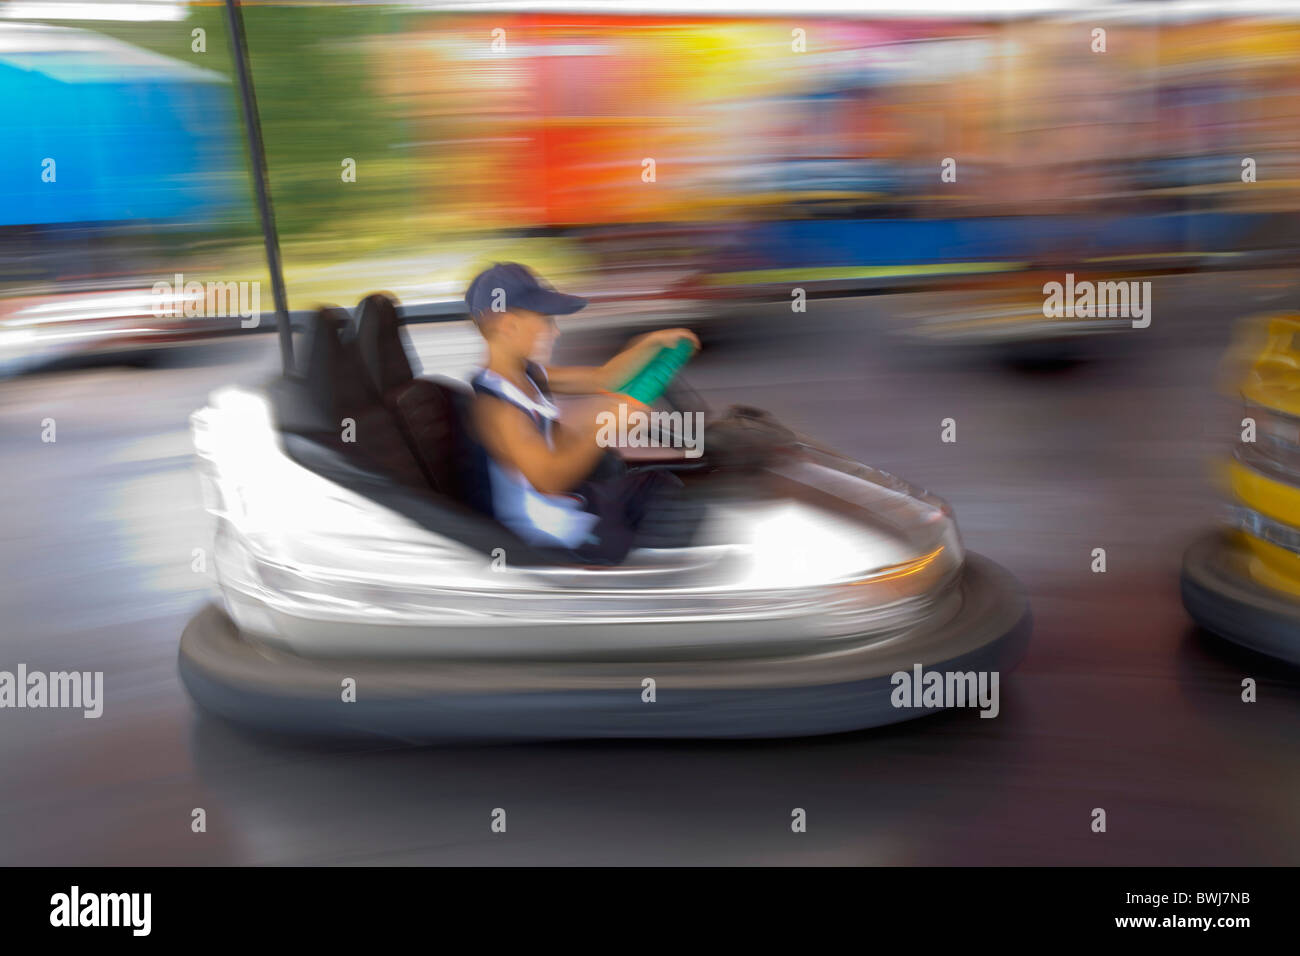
432 414
331 403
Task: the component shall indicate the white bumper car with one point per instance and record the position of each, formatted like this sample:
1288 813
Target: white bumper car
365 591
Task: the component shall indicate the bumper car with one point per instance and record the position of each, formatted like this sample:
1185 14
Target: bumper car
1241 580
122 324
365 589
1002 317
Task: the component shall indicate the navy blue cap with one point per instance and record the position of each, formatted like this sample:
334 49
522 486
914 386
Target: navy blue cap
520 289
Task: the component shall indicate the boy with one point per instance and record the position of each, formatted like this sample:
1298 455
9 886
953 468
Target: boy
539 468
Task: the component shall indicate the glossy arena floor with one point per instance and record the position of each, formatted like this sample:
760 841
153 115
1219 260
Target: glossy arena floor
1120 704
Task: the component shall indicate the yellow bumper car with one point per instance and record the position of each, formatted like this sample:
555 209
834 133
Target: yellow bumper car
1242 580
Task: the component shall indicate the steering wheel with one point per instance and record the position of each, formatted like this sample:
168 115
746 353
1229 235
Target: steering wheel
659 380
679 396
647 385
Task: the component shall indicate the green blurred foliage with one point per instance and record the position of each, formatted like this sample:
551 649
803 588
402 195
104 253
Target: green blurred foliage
316 106
313 93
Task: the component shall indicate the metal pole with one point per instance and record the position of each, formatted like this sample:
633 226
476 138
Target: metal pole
257 165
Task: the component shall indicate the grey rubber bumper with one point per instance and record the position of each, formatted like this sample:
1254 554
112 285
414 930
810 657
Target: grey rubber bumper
1221 596
426 700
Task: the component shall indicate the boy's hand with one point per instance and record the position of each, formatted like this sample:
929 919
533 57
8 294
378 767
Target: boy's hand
584 413
667 338
610 402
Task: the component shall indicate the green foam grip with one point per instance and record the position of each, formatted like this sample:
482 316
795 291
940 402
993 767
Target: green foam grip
648 384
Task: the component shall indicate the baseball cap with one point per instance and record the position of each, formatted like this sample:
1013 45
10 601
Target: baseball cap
520 289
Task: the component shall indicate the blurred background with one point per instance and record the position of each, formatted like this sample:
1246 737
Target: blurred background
488 130
792 146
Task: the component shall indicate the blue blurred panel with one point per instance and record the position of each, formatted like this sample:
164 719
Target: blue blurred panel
140 143
880 242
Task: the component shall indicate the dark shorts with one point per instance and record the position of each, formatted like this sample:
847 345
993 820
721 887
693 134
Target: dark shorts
646 508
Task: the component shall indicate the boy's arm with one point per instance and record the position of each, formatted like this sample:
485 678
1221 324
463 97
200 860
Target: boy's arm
587 380
511 437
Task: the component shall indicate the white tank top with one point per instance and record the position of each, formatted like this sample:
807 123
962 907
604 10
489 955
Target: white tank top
539 519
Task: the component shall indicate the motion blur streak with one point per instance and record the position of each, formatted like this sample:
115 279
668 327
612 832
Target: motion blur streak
857 211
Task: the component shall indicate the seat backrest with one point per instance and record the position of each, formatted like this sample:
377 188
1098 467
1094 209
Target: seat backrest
331 394
433 414
383 344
